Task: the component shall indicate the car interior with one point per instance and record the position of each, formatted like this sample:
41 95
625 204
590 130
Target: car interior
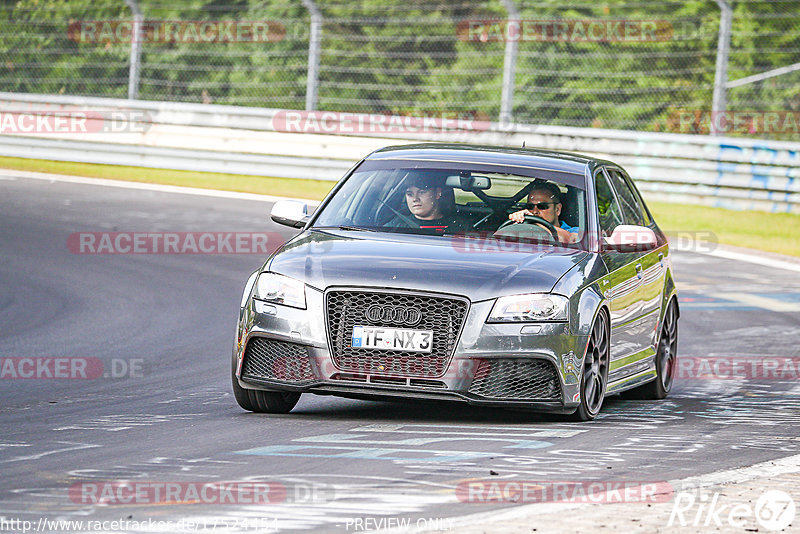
474 202
477 205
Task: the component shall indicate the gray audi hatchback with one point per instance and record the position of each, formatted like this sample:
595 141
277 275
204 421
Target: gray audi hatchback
495 276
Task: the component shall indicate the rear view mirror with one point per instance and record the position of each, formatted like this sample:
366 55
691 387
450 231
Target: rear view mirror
630 238
292 213
468 182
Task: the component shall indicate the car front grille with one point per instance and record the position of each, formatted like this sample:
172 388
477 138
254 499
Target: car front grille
276 360
516 379
444 316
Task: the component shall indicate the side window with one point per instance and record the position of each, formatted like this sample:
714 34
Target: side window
607 205
631 208
639 200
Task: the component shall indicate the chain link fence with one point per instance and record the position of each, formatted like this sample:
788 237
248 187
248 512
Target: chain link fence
634 65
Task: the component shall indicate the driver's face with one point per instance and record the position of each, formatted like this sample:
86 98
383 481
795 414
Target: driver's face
424 203
553 209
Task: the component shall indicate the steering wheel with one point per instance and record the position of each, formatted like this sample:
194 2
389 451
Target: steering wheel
533 219
402 216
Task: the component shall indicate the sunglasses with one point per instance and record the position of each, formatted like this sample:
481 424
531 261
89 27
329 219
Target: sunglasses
541 206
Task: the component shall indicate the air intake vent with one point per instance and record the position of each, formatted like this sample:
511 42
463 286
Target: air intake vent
516 379
276 360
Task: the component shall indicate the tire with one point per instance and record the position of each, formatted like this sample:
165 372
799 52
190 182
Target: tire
258 401
666 359
594 372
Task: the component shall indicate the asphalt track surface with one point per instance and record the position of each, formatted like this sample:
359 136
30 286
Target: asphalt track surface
335 465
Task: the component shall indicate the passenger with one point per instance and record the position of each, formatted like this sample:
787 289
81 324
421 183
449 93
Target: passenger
545 201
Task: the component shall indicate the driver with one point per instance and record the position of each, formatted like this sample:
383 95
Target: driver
545 201
423 197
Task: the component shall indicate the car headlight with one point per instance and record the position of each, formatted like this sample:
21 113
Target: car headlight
272 287
248 287
529 308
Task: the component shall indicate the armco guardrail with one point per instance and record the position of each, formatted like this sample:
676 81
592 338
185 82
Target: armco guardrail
730 172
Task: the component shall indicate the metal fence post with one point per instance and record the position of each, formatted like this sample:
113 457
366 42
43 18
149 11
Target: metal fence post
136 43
763 76
719 102
314 42
509 63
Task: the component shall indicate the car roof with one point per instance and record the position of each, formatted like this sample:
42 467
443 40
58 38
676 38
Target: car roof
493 155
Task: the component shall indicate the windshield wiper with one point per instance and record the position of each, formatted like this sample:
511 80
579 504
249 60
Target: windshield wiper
356 228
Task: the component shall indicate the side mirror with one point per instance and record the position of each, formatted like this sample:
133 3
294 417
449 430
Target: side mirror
630 238
290 213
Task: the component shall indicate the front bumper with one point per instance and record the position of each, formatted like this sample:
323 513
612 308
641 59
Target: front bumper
527 365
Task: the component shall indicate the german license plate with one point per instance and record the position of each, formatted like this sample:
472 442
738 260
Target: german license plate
384 338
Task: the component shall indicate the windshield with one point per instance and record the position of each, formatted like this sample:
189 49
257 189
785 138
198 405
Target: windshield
439 201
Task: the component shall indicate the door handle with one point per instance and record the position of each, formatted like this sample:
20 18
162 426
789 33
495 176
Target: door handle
639 271
661 258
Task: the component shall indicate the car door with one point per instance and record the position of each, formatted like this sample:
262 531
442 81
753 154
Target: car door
649 264
621 285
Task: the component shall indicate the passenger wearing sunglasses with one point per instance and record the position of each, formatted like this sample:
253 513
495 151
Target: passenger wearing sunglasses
545 202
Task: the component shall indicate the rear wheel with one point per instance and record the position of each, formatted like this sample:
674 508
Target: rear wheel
263 401
594 374
666 359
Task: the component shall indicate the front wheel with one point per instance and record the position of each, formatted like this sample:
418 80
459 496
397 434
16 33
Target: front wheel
594 374
254 400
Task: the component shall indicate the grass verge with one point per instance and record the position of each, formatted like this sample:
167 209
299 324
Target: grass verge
771 232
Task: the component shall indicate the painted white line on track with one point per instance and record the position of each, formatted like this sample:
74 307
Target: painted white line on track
753 258
509 431
756 256
684 247
7 174
782 466
760 301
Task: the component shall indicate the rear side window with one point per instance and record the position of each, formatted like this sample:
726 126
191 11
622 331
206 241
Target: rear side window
629 202
607 205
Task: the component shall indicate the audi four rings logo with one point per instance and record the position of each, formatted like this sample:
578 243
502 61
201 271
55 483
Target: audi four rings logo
393 314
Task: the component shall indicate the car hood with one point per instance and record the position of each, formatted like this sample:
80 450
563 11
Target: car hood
479 269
